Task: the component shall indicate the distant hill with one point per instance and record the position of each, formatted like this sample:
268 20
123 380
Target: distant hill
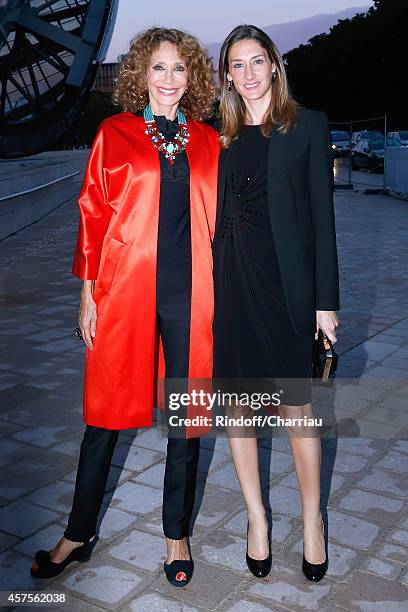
291 34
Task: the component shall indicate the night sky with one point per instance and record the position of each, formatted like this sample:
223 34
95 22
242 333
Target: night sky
213 19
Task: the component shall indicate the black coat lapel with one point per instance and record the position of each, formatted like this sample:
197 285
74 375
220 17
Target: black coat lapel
222 178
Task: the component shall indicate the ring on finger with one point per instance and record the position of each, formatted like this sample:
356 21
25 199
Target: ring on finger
78 333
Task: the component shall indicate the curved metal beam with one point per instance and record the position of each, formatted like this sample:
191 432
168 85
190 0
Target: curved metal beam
49 56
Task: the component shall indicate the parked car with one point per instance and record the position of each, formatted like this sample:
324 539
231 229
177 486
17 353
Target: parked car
365 135
370 154
401 135
340 142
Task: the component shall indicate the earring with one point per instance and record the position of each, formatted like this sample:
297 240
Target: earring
274 75
229 86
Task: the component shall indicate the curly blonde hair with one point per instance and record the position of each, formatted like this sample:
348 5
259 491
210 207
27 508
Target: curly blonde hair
130 90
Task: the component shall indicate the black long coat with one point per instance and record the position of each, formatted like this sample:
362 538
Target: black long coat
300 198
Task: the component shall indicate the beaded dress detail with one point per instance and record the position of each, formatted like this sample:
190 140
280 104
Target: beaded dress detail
253 334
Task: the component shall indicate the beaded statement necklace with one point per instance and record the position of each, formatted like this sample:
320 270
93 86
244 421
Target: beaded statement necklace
170 148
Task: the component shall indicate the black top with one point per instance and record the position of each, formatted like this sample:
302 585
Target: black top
247 164
174 240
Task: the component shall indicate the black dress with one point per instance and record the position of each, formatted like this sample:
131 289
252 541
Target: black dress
253 335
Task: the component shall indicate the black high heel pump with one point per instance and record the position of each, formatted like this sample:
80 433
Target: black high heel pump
316 571
45 568
259 567
180 571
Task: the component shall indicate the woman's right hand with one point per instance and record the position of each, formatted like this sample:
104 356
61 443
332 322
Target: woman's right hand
87 314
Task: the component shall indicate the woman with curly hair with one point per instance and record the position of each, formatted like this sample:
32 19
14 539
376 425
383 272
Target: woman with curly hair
147 217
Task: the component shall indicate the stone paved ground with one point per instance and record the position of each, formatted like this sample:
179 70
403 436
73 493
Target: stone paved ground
364 476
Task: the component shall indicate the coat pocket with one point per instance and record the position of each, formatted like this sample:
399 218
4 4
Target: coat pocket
113 256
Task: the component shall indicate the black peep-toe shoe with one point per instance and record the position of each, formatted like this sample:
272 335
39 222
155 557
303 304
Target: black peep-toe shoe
259 567
316 571
45 568
180 571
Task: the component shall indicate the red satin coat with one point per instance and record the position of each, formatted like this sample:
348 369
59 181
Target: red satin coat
116 246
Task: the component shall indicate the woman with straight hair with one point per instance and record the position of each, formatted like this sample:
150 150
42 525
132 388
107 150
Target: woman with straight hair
147 216
275 269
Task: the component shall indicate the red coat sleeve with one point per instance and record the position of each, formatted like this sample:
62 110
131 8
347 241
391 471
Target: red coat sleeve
94 212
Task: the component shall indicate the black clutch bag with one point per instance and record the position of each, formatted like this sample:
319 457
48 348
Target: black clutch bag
324 361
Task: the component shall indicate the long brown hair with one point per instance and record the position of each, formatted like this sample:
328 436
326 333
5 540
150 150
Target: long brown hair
130 90
282 110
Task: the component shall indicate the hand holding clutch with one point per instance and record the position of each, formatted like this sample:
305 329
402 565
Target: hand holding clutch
324 361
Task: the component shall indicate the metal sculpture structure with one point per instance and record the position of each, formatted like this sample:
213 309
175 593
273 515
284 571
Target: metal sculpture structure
49 56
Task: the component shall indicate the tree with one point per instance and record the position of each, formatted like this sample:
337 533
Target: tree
98 107
357 69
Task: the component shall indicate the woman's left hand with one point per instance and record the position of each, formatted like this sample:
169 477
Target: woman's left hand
327 321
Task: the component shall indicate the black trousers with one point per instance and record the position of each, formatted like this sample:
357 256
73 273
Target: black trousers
173 297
